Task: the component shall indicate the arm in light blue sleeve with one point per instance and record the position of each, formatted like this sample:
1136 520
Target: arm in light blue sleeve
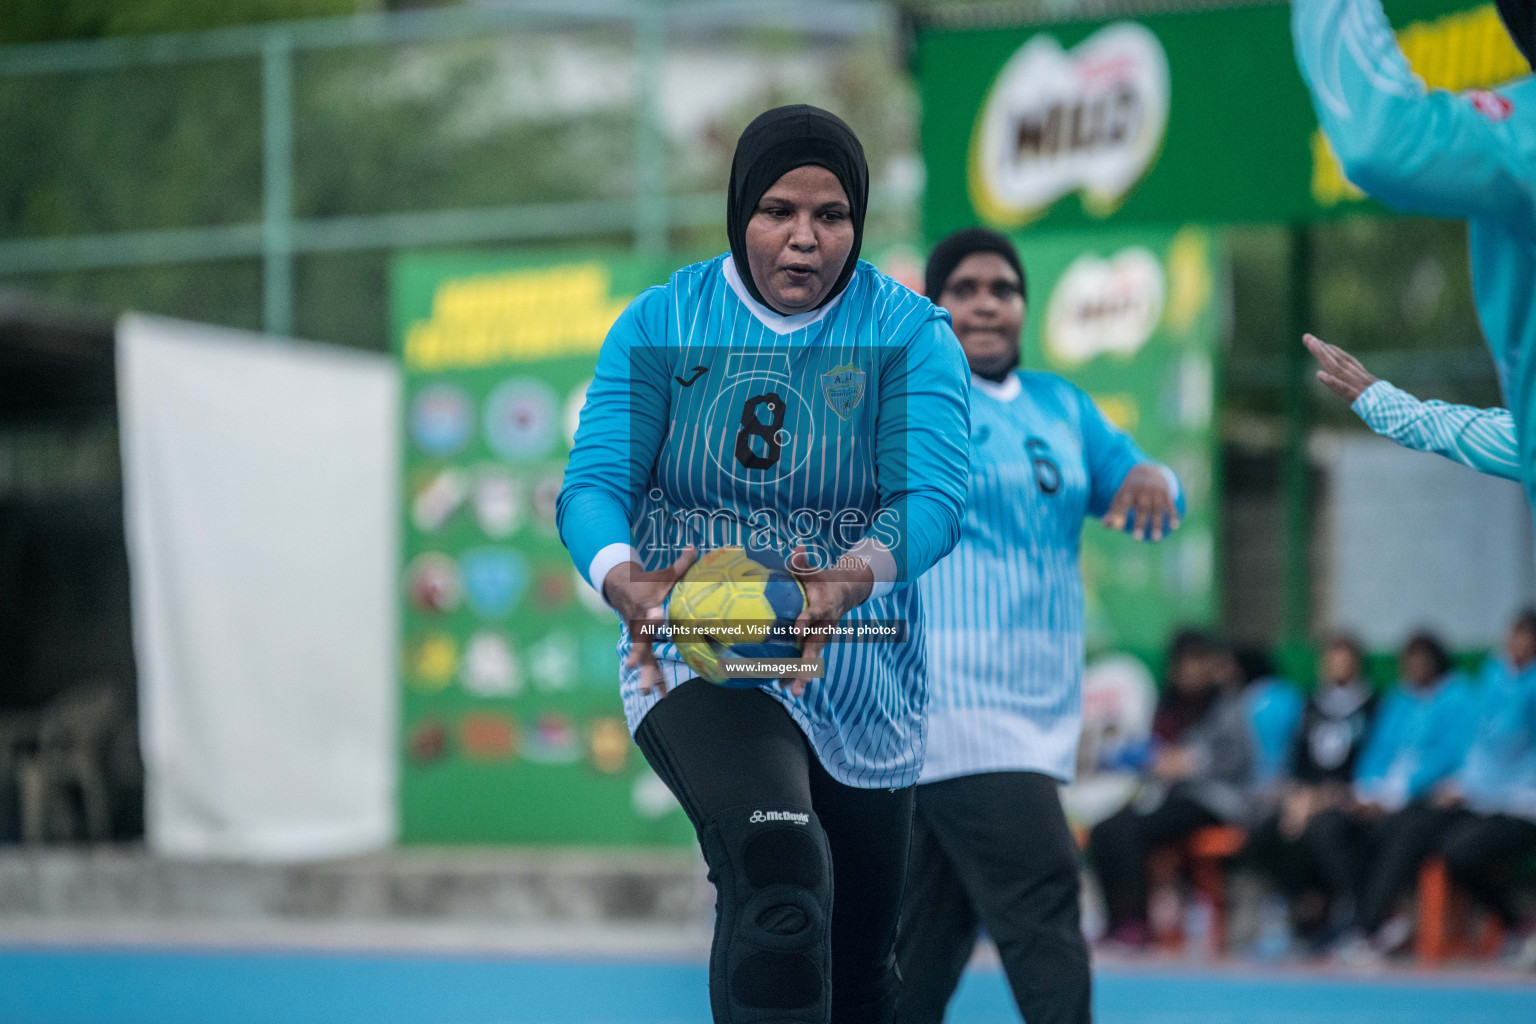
1528 691
623 424
1482 439
1381 746
922 449
1111 454
1455 725
1414 149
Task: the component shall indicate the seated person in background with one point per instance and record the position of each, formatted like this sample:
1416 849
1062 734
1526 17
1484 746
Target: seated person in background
1334 726
1419 739
1482 818
1201 764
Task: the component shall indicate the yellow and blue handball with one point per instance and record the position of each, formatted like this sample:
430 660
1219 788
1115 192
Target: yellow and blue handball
732 603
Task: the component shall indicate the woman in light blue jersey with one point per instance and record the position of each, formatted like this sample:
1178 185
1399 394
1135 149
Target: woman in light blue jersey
1481 818
990 842
1419 738
1469 155
783 396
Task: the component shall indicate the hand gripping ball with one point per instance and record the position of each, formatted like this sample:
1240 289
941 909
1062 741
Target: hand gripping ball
735 604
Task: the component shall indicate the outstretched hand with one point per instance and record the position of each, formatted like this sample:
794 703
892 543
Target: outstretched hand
829 595
1341 372
637 596
1144 492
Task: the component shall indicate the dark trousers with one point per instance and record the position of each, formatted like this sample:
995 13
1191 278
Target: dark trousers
717 749
1120 845
1328 855
993 850
1281 857
1478 851
1481 852
1338 846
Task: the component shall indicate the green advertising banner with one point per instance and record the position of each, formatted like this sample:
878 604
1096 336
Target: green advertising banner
1132 316
511 725
1161 119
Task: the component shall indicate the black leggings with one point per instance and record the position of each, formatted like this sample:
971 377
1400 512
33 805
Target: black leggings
780 835
993 849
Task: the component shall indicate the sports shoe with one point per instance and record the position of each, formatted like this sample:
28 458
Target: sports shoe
1394 935
1356 952
1520 952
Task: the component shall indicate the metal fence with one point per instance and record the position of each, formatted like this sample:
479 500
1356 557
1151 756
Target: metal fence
101 175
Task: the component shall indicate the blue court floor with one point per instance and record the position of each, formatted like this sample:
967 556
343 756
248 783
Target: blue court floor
55 986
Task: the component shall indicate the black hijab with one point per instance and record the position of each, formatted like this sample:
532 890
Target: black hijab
775 143
946 256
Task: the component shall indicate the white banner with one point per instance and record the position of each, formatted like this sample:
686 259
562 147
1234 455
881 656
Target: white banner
1415 541
259 479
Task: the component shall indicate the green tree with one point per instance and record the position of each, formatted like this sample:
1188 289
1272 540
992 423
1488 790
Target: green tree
41 21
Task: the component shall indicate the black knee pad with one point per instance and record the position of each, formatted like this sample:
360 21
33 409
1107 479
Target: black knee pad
772 871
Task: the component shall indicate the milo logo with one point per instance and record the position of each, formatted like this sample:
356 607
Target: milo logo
1104 307
1055 122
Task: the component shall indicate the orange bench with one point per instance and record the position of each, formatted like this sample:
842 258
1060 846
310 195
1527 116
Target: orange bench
1206 852
1442 931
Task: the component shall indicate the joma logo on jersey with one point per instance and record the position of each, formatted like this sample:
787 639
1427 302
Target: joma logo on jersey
843 387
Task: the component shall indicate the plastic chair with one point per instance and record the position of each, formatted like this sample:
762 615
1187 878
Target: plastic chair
72 738
18 736
1442 932
1208 851
1204 855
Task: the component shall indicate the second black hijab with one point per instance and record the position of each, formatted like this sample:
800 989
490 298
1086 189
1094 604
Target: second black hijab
775 143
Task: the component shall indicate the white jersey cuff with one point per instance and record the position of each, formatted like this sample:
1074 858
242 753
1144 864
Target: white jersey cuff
880 561
603 563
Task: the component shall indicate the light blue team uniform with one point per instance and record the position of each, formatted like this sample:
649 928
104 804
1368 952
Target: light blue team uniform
1470 156
1420 737
1275 707
1005 607
1481 439
713 420
1499 773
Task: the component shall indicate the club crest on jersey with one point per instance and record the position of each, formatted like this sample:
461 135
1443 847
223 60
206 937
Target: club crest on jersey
1491 105
844 388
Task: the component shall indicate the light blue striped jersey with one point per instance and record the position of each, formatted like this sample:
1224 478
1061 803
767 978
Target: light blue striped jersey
1482 439
712 420
1469 156
1005 608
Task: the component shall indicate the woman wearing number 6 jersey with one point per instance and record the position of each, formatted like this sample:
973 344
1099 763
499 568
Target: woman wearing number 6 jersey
990 845
783 395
